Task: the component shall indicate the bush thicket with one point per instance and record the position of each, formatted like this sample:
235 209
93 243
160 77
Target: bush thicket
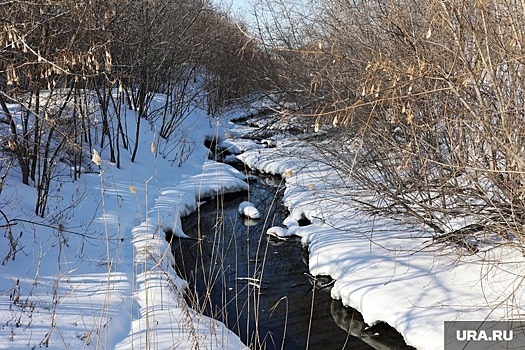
423 102
67 68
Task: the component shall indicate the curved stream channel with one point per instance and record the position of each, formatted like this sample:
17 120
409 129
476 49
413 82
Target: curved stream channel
257 286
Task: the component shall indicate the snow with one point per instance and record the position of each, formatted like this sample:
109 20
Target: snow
278 232
97 271
249 210
177 232
381 265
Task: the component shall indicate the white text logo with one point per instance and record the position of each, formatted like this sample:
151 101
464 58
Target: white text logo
481 335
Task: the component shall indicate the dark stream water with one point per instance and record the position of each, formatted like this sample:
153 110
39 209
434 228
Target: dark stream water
257 286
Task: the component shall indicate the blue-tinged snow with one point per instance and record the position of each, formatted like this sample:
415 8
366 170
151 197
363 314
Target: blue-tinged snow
383 267
96 272
248 210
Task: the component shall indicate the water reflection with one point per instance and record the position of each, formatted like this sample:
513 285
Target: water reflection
380 336
250 222
256 284
348 319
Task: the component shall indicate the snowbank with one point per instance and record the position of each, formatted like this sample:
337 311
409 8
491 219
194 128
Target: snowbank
384 268
96 272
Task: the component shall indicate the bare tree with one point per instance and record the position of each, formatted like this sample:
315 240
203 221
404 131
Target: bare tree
67 69
429 94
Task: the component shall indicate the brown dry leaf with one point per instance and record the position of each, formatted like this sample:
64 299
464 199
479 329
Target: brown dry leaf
96 158
429 33
410 72
288 172
394 120
410 118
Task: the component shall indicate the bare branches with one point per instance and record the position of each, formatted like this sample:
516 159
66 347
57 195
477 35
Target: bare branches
431 95
67 69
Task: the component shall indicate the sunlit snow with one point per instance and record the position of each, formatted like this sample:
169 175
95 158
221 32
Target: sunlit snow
249 210
98 272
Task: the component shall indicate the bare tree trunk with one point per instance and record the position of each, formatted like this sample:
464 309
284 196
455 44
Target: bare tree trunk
17 146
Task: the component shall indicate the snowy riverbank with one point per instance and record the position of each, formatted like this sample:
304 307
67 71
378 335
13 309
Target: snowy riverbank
163 317
96 272
383 267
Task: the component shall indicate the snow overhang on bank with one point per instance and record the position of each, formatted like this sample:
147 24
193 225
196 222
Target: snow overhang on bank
380 265
163 314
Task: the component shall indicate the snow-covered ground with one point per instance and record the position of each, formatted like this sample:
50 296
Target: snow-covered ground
386 268
96 272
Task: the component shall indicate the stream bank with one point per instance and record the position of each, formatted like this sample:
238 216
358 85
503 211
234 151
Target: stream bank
258 285
253 283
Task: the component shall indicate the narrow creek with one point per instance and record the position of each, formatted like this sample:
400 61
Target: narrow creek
258 286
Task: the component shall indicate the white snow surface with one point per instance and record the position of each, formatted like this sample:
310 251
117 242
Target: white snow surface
384 267
249 210
278 232
96 272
